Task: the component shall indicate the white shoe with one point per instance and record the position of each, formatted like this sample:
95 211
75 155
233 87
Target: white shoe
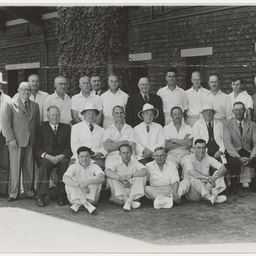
89 207
135 205
221 199
75 207
210 200
245 185
127 207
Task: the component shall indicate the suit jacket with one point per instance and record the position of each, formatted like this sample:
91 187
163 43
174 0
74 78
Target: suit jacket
135 104
233 140
44 139
18 125
200 131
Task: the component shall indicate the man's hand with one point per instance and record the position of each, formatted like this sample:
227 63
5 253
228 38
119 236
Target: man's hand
248 161
176 198
60 157
97 155
85 184
127 184
146 153
218 154
211 180
51 158
242 160
13 144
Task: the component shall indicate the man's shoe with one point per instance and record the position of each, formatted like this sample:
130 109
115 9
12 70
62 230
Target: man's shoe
220 199
127 207
210 200
75 207
90 208
40 202
62 200
11 199
135 205
245 185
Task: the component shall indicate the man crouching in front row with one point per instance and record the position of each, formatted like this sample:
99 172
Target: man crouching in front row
203 185
83 181
126 179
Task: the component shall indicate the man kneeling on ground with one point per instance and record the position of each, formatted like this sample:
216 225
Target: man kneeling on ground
83 181
164 181
127 179
203 185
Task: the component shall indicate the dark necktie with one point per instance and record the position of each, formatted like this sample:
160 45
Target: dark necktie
241 128
147 128
27 107
210 131
146 98
55 129
91 127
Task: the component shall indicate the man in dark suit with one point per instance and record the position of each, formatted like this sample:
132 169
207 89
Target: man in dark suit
96 84
52 150
240 142
20 118
136 102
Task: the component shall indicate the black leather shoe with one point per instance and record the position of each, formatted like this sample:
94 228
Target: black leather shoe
11 199
40 202
62 200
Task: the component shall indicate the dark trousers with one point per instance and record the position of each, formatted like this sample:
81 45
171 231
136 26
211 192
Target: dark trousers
4 166
45 170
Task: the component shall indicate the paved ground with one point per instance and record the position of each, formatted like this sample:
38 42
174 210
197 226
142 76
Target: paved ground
192 227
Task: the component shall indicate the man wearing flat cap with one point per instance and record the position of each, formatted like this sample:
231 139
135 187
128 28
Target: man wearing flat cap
88 133
149 135
4 155
20 118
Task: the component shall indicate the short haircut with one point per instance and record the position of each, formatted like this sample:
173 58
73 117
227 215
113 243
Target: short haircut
159 148
53 107
176 107
143 77
238 78
200 141
83 149
95 74
117 106
113 74
171 69
35 75
239 103
195 72
213 75
59 77
125 146
84 77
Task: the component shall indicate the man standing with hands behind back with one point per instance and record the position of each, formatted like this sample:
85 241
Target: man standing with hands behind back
20 118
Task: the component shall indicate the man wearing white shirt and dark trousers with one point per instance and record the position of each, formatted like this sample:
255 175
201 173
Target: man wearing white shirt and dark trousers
52 150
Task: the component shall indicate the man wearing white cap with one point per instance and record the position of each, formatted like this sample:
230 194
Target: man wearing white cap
20 118
4 163
164 186
113 97
149 135
59 99
116 135
126 179
178 137
83 181
79 100
88 133
211 131
203 185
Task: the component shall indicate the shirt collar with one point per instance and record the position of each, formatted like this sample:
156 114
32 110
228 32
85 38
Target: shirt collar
52 126
238 122
176 88
88 124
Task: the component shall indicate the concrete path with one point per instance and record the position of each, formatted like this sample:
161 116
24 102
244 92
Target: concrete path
25 231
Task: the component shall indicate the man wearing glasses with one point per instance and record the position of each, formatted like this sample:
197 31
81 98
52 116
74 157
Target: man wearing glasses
20 118
59 99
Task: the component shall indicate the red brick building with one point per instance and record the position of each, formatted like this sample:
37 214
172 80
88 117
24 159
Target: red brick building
212 39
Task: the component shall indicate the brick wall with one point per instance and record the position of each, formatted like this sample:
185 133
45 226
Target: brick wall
231 31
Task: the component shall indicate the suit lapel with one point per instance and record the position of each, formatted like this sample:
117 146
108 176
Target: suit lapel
32 109
49 133
236 128
246 127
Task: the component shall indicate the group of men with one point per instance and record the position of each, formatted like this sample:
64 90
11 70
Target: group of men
167 145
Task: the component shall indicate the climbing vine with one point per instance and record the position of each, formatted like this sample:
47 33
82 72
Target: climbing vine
92 39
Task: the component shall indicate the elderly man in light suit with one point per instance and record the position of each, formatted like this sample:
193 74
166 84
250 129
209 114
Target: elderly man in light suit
20 118
240 143
211 131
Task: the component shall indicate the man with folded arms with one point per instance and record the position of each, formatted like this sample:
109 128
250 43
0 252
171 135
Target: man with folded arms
164 179
126 179
202 184
83 181
149 135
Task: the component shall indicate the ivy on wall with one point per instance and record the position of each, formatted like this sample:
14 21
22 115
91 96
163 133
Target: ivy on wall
92 39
